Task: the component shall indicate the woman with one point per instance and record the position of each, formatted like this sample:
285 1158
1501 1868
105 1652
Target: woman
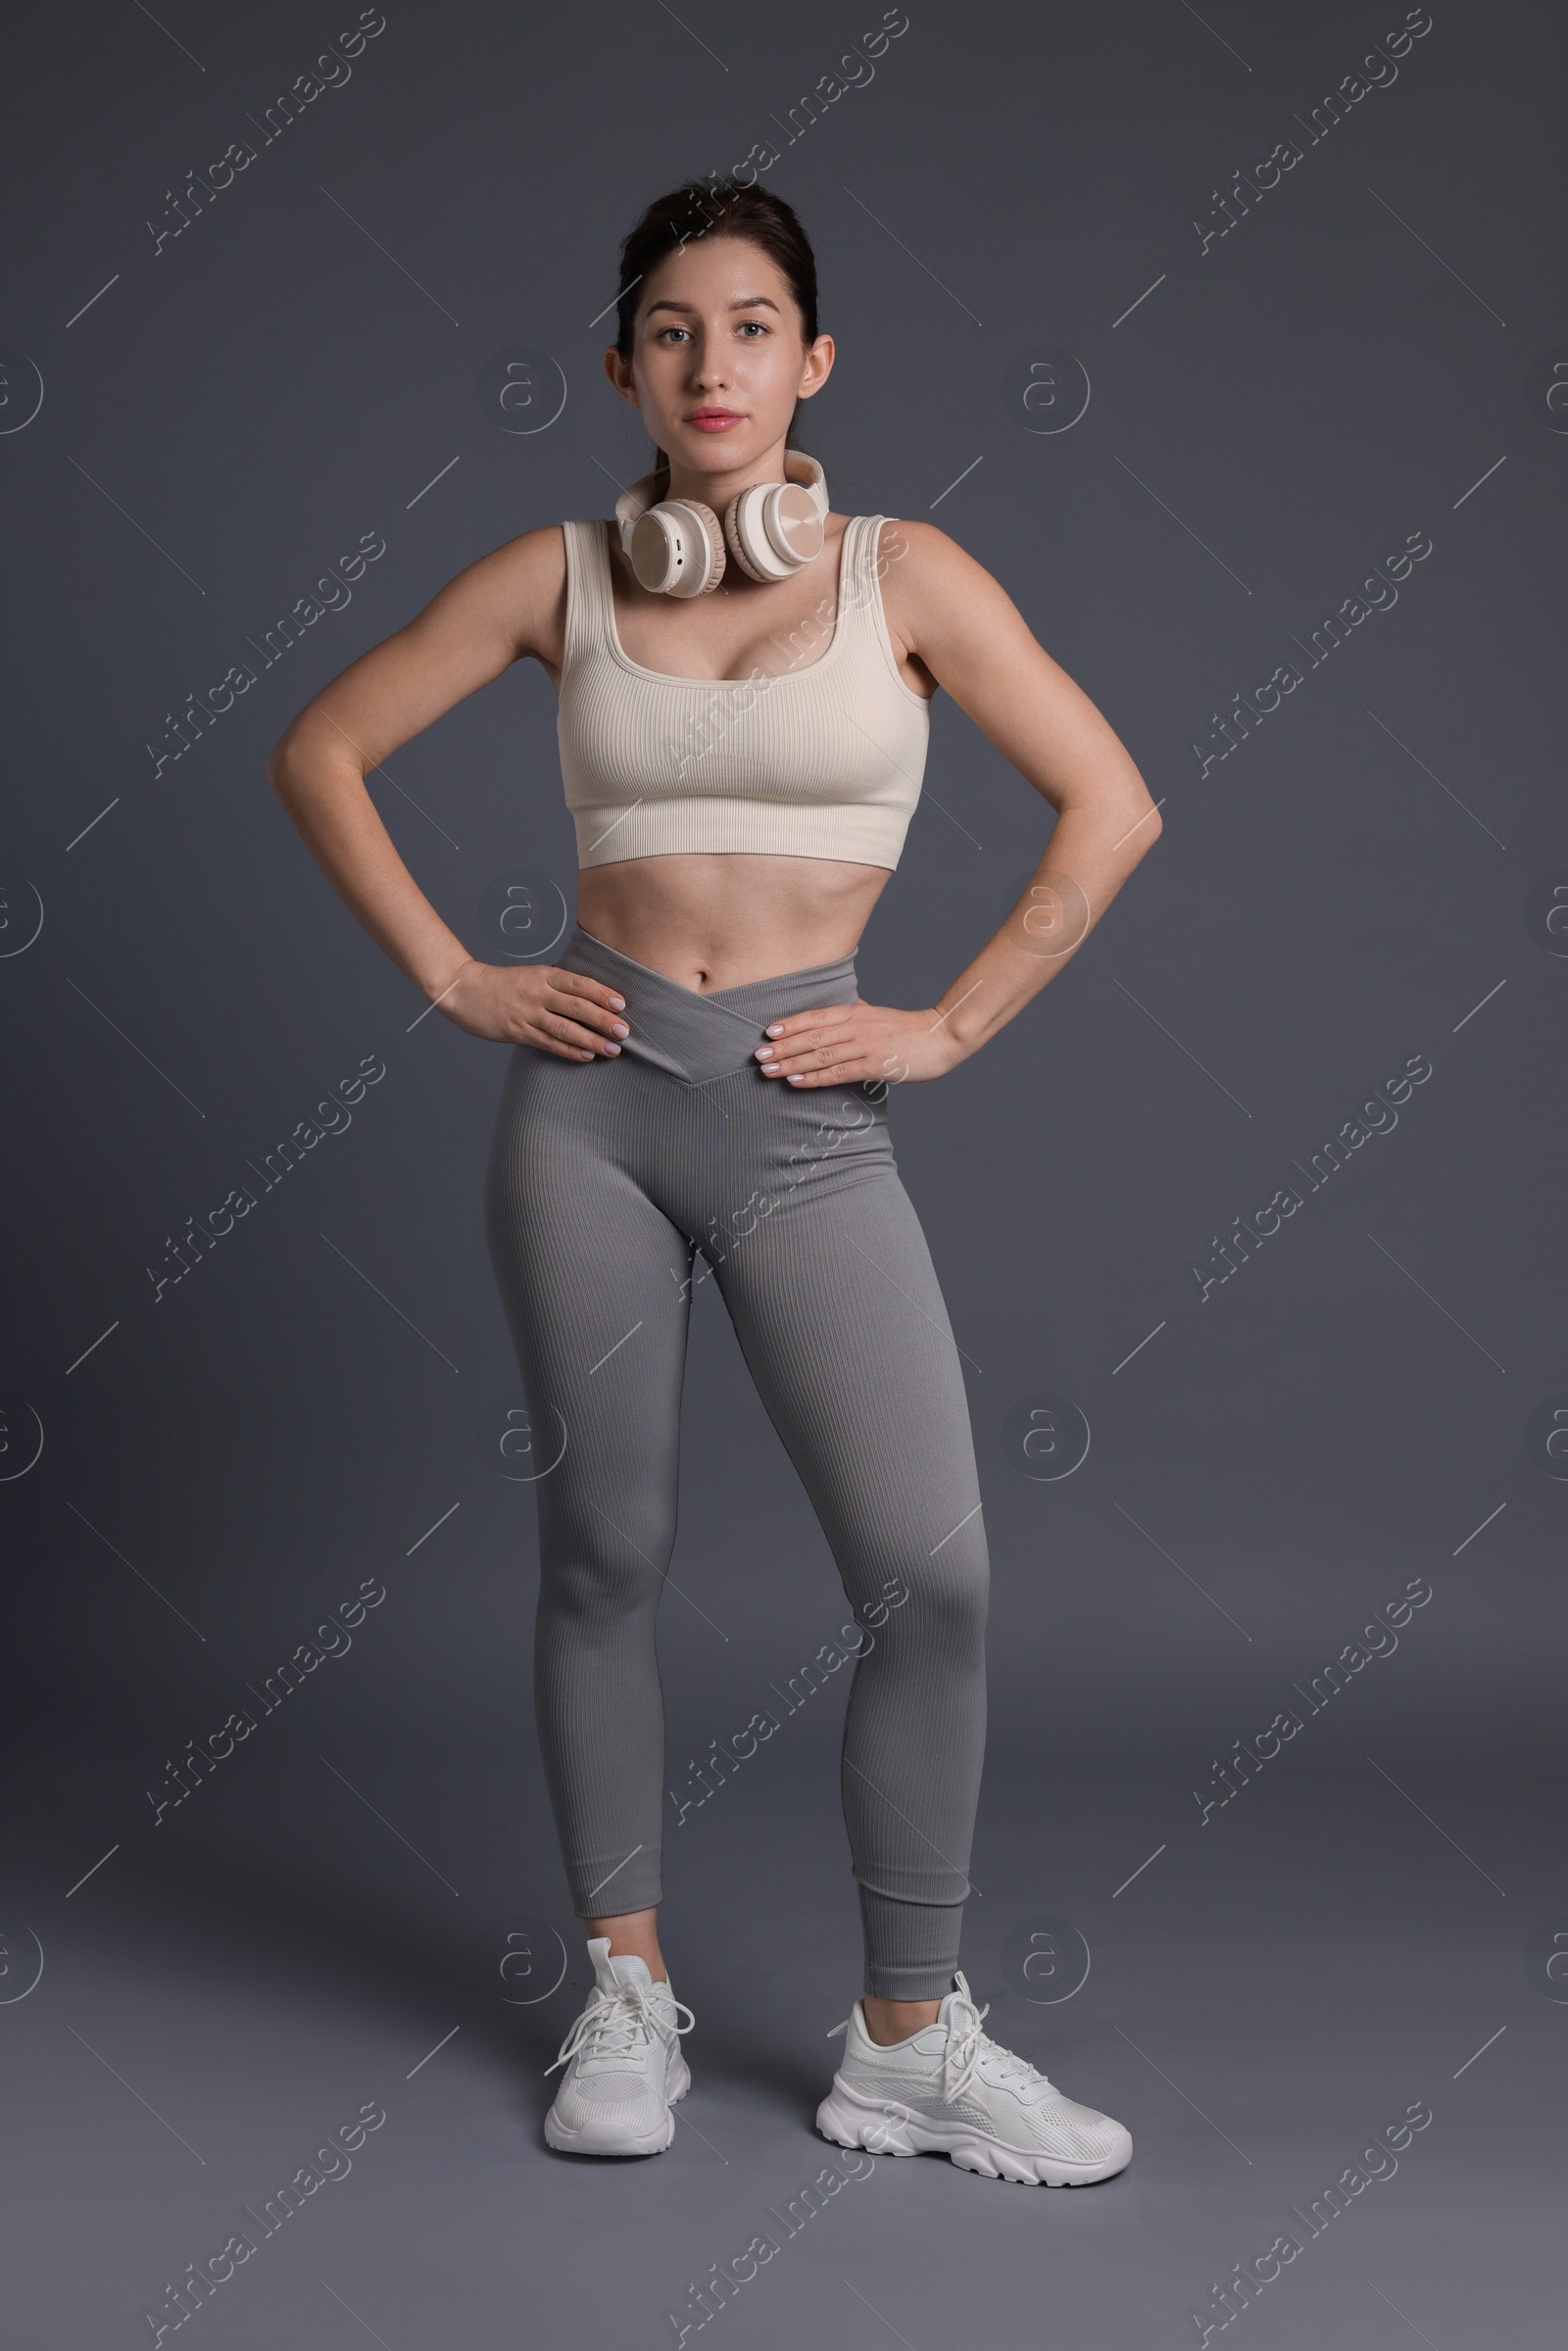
745 680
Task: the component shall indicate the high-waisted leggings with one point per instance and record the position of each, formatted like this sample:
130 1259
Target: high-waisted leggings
606 1179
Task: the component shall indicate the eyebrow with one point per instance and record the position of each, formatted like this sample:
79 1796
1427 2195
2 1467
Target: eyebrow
747 302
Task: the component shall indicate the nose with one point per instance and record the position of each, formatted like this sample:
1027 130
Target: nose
709 365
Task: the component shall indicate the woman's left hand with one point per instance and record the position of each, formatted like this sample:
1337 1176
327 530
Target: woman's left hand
846 1045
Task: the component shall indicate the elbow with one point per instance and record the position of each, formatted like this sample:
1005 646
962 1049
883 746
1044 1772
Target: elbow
312 754
1146 826
283 762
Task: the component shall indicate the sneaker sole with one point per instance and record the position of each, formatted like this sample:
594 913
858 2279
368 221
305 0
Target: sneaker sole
611 2139
850 2121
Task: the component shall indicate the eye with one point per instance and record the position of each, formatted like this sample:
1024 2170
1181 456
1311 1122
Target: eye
761 324
668 331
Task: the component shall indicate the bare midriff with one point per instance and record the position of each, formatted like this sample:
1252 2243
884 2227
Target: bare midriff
711 923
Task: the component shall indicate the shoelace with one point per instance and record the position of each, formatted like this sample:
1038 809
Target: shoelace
614 2023
966 2044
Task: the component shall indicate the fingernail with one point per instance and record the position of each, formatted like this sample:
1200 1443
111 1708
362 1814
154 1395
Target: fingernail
621 1028
765 1052
777 1029
612 1049
620 1002
794 1081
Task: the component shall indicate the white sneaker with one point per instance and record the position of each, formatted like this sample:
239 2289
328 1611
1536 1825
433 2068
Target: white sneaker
953 2090
623 2061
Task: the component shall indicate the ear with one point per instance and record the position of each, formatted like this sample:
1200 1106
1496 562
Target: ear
620 374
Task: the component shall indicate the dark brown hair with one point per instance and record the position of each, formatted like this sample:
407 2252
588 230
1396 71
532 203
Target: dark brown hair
726 207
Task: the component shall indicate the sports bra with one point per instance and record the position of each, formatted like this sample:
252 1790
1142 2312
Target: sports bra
820 756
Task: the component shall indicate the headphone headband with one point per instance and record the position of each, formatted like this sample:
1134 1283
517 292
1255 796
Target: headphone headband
633 503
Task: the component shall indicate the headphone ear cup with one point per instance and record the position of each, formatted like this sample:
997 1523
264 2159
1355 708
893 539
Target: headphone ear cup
738 517
677 548
773 529
716 550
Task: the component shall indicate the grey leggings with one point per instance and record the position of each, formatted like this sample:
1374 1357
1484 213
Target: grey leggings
604 1180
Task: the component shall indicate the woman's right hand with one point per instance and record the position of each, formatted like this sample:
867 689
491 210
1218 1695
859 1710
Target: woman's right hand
560 1011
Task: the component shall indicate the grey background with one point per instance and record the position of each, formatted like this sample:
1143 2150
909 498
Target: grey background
1364 355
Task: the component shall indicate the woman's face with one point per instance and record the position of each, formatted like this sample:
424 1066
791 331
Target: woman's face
718 359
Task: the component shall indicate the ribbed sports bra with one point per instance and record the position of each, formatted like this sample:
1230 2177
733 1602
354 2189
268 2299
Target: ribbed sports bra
820 756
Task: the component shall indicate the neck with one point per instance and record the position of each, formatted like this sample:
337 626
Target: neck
717 489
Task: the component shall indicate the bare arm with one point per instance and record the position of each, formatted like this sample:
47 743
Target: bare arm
505 606
949 614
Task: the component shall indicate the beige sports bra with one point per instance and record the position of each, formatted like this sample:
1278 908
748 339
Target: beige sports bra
819 754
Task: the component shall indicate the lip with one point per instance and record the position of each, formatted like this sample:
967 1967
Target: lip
714 419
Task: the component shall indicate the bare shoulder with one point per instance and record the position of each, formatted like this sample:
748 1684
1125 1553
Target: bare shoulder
507 604
514 596
930 584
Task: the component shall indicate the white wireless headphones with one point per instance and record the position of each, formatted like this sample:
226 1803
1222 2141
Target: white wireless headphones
676 546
